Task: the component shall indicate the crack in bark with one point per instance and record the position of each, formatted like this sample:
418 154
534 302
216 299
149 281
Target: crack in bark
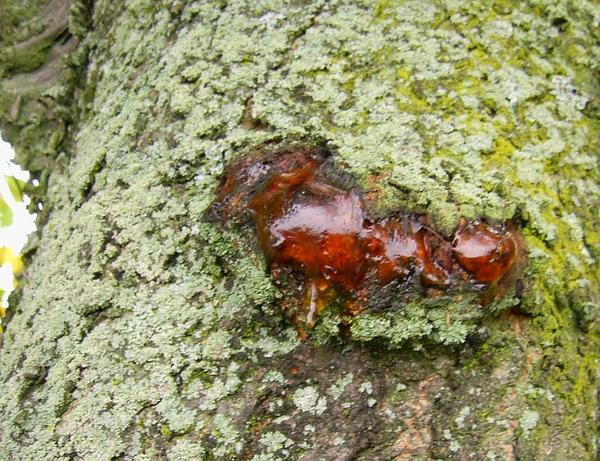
56 16
46 75
58 41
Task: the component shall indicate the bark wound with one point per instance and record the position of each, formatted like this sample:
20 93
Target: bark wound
307 224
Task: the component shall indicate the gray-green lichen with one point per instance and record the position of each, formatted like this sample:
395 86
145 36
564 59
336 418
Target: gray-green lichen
143 332
307 399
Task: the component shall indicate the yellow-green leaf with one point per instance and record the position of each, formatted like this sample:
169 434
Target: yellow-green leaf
16 187
6 214
8 256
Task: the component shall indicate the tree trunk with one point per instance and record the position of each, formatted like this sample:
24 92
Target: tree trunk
142 331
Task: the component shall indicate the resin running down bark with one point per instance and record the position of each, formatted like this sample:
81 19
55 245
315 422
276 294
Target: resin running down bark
305 222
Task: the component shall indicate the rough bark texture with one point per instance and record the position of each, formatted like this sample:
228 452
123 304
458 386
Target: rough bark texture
141 332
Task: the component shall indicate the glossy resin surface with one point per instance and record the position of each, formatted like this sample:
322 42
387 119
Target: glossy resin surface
308 224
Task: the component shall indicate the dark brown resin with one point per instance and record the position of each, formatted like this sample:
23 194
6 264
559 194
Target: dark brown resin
308 224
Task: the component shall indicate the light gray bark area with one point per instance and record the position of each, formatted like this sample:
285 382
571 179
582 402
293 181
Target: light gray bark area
143 332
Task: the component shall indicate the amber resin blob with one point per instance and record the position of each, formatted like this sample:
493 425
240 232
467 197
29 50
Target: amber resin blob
320 233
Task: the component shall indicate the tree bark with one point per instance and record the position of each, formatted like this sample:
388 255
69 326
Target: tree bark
142 331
